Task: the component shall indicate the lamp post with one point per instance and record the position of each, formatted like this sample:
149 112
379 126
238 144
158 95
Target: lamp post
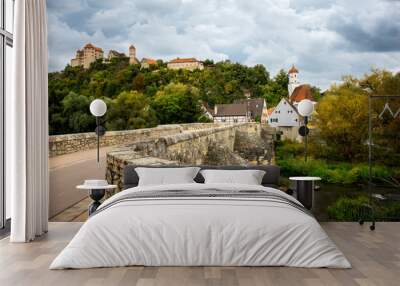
98 108
305 108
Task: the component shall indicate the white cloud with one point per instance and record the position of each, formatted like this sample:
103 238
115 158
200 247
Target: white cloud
325 39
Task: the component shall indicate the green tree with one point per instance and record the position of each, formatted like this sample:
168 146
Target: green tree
177 103
386 129
342 119
76 113
130 110
208 62
316 93
138 82
276 89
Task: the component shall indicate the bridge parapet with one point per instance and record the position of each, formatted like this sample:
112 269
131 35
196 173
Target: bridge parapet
238 144
71 143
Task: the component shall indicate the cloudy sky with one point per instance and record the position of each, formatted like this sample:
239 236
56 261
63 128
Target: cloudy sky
324 39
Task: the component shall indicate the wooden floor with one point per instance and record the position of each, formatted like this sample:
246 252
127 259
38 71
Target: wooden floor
76 213
375 257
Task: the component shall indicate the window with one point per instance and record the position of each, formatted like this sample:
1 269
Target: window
6 44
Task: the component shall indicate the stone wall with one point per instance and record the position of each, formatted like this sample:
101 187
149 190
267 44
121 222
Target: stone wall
70 143
289 133
216 145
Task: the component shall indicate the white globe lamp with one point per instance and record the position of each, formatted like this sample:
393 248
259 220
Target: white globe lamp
98 107
306 107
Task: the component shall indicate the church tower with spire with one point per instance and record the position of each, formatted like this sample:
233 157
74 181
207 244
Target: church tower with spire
293 79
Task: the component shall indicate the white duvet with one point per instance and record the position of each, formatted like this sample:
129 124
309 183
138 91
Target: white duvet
200 231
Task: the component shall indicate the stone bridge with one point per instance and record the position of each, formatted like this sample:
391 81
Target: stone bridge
73 157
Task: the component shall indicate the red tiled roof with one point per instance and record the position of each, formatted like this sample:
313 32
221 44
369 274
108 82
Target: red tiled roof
149 61
293 70
90 46
184 60
301 92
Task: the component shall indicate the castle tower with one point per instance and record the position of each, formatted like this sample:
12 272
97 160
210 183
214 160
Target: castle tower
132 55
293 79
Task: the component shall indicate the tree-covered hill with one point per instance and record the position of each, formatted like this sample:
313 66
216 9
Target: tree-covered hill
139 98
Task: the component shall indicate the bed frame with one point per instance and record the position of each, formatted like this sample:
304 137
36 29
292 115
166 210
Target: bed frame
270 179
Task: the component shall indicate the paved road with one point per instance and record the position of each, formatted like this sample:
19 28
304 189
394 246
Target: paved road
70 170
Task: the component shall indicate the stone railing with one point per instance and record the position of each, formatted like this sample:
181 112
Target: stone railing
239 144
70 143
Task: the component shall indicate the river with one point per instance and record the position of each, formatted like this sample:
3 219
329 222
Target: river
328 194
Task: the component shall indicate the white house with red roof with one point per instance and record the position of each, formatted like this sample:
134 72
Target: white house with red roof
285 116
285 113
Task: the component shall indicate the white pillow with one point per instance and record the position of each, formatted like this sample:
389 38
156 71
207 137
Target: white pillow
248 177
166 176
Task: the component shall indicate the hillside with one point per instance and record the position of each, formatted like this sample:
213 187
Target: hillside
139 98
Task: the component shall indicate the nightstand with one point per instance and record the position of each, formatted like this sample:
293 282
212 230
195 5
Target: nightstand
305 190
97 189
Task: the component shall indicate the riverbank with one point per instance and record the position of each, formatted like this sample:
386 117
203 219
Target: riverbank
344 203
289 156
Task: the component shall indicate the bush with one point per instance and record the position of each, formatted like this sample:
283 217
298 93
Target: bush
347 209
288 148
289 158
393 211
350 209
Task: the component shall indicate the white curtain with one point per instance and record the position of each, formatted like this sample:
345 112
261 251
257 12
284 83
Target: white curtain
27 124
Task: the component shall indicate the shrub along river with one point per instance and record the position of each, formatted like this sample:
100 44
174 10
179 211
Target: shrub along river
338 202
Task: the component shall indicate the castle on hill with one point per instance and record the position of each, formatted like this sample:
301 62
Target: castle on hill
90 53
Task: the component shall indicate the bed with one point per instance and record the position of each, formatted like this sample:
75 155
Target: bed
201 224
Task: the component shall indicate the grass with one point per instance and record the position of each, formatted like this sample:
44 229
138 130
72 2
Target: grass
289 158
349 209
